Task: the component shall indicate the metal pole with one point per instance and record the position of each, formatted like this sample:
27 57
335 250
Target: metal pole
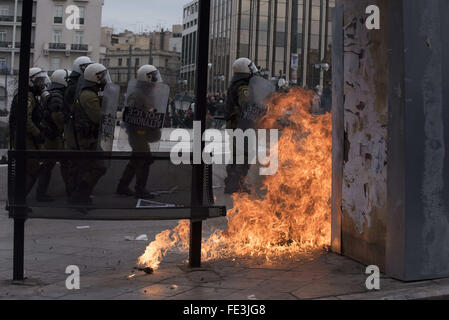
313 77
6 86
199 115
294 38
19 249
322 40
19 214
129 62
14 37
150 59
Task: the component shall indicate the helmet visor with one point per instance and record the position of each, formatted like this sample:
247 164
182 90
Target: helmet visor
154 76
41 80
252 67
103 77
84 66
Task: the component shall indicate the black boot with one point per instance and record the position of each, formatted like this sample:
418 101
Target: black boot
43 198
80 199
142 193
124 190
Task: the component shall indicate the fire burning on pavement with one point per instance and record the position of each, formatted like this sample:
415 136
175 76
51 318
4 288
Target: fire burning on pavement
293 215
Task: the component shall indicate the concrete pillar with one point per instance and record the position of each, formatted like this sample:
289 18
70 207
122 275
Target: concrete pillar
391 130
418 184
361 127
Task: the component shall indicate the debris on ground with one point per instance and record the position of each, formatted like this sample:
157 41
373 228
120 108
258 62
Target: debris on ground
147 270
160 192
142 237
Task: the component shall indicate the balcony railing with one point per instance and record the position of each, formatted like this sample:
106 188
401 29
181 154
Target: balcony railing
8 44
57 46
11 19
7 18
79 47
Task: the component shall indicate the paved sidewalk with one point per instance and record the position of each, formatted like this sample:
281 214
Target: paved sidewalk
106 261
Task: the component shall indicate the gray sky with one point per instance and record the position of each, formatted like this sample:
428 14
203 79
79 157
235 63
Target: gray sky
141 15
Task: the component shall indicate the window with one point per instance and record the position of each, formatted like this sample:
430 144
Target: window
4 10
3 63
57 35
120 61
137 61
57 18
79 36
2 35
81 19
3 93
55 64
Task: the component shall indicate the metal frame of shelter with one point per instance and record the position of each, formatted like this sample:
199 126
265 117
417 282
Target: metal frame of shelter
201 205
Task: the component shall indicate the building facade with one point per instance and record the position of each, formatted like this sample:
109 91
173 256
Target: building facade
10 30
189 36
126 52
58 44
285 38
53 44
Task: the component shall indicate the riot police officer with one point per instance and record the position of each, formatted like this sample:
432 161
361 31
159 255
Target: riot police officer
238 95
79 65
75 77
35 134
53 121
86 121
139 137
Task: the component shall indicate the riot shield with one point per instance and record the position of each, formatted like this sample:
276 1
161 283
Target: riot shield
111 95
143 116
259 90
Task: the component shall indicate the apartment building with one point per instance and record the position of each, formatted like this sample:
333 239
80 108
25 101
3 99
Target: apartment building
58 42
126 52
10 29
53 44
189 36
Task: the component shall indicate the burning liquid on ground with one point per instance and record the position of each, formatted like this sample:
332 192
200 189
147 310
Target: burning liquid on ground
293 215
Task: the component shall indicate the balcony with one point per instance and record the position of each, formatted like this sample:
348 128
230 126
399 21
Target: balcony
7 46
79 47
67 48
56 46
9 20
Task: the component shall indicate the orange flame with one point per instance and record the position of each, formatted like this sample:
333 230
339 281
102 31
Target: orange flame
294 214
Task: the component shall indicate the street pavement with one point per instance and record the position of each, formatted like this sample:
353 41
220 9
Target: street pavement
107 261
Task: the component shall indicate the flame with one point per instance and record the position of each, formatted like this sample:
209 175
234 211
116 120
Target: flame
293 216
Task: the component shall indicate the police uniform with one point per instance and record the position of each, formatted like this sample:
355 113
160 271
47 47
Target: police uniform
69 101
69 134
139 138
86 122
34 137
53 120
238 95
